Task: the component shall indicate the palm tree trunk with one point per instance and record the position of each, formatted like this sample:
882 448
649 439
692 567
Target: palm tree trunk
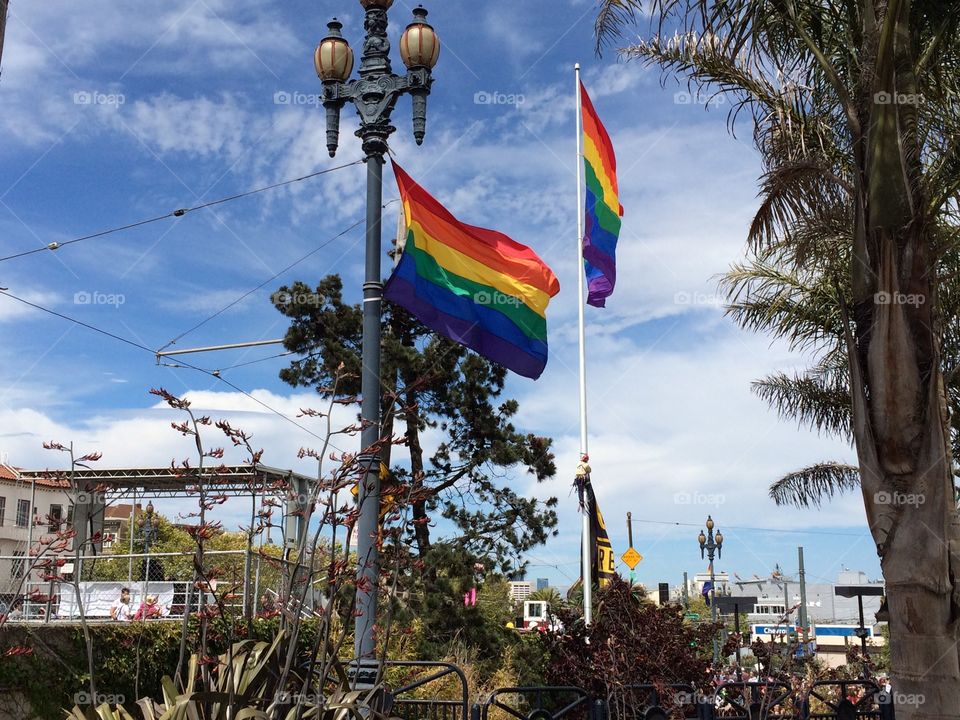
900 425
900 421
919 570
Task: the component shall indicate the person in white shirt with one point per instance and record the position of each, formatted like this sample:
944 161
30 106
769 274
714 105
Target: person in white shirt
120 610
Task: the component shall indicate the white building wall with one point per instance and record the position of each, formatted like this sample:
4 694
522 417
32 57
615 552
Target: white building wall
14 536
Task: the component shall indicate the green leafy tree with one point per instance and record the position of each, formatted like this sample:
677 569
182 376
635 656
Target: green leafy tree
855 114
172 538
169 539
430 385
446 624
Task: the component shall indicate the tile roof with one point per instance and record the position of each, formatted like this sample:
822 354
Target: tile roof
11 473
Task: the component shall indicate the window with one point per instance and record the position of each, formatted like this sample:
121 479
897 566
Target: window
23 513
56 517
16 567
769 609
3 510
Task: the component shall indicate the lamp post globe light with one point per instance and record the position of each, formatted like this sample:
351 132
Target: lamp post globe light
712 545
374 93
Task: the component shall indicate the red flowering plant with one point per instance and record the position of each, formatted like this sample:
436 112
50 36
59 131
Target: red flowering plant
309 560
631 642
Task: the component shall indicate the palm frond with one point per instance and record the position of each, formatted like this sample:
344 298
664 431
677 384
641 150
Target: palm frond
796 192
820 402
812 485
765 296
612 17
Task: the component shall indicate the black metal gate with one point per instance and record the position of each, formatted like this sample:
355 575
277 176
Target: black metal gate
544 703
416 707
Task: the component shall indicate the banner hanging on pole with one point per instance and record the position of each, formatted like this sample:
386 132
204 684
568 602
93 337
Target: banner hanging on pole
603 567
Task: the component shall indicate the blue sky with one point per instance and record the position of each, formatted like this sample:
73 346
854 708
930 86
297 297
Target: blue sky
113 113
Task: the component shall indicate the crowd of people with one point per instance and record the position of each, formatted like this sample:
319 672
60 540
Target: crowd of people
149 608
122 610
732 689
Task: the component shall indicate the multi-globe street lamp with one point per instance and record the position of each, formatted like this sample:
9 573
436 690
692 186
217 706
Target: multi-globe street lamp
712 545
375 94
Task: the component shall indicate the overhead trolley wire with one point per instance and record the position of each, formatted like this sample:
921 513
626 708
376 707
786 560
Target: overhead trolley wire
752 529
270 279
140 346
177 213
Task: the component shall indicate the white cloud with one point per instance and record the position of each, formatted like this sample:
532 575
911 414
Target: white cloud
200 126
12 310
675 435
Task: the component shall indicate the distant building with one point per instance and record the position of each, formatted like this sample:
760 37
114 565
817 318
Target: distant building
766 600
20 521
776 596
720 579
116 522
520 590
542 583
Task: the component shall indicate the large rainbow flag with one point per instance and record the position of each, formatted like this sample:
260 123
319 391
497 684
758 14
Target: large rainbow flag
475 286
603 208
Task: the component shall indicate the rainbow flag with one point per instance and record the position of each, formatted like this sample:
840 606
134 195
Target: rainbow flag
603 208
475 286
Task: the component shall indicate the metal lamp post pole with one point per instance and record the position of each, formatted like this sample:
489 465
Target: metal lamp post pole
149 536
374 94
713 545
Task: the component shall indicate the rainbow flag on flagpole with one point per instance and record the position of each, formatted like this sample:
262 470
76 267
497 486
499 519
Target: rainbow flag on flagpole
477 287
603 208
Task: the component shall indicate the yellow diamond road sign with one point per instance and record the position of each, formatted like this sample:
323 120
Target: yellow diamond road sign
631 557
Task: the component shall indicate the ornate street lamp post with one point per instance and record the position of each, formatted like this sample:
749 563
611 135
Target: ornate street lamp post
149 538
713 545
374 94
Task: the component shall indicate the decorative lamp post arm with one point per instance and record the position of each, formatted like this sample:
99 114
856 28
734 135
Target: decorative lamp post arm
333 61
418 85
332 103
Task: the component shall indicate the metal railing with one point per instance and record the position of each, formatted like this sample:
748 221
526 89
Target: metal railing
548 702
844 699
28 593
824 700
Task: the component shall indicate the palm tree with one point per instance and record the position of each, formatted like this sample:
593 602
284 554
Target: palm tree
768 296
550 594
854 106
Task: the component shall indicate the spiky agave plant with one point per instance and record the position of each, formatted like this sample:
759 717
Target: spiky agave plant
248 687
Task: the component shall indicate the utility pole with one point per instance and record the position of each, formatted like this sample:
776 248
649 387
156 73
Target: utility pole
803 601
786 609
686 596
630 540
736 629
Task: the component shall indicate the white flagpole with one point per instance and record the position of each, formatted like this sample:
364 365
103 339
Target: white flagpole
586 550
